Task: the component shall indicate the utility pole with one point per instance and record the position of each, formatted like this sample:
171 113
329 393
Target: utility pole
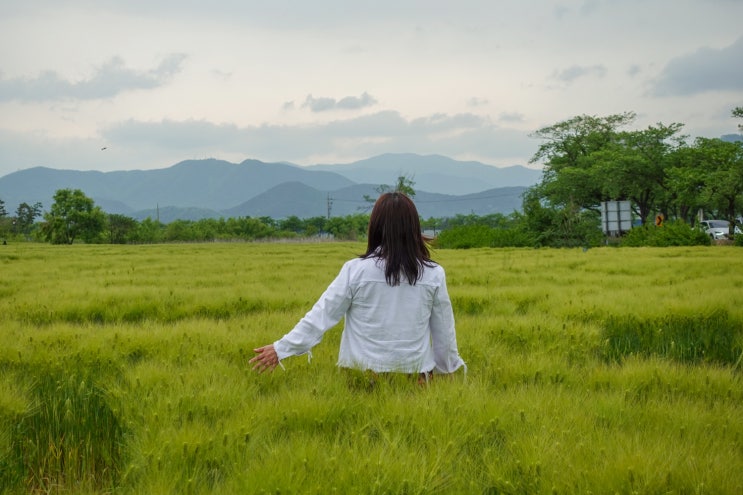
330 205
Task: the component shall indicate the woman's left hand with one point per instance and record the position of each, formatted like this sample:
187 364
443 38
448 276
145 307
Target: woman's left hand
266 359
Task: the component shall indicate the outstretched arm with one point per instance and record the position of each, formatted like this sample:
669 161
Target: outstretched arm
326 312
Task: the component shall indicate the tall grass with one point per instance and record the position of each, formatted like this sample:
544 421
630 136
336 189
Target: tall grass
68 438
147 348
688 338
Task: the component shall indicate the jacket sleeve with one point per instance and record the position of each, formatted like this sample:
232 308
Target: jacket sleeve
443 333
327 312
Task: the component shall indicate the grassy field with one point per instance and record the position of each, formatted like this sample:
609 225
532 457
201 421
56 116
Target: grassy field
123 369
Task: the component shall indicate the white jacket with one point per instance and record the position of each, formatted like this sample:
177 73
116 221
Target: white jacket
405 328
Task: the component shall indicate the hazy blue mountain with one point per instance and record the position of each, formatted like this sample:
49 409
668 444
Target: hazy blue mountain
196 189
110 206
211 184
434 173
303 201
284 200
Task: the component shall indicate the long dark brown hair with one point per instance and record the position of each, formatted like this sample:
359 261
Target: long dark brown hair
395 236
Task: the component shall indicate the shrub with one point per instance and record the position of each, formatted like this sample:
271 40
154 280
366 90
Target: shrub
675 233
474 236
512 237
465 237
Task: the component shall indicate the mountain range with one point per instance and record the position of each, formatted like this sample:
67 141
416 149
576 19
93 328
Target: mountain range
210 188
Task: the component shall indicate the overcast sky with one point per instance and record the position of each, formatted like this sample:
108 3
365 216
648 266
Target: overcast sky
333 81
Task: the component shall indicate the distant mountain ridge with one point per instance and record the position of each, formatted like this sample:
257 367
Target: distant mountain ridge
434 173
290 197
210 183
195 189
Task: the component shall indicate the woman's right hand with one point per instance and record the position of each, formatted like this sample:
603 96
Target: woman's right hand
265 360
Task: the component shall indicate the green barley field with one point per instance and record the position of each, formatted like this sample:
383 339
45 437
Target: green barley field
124 369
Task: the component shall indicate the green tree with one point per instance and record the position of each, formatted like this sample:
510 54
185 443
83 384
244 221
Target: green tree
314 225
148 231
120 228
723 165
561 210
405 184
635 165
567 153
539 218
686 181
4 221
207 229
292 224
25 216
350 227
432 224
268 222
179 231
73 215
257 228
248 228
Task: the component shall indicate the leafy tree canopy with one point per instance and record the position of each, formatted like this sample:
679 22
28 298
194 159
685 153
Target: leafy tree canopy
404 185
26 215
73 215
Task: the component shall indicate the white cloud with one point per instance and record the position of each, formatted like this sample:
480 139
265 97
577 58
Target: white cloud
477 102
108 80
356 102
321 104
511 117
324 104
634 70
576 72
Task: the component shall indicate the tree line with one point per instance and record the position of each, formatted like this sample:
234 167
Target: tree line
586 160
74 217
